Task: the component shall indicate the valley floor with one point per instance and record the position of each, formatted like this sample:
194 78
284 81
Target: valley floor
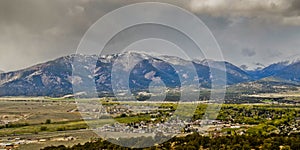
34 123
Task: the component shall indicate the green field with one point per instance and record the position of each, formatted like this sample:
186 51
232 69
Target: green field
50 119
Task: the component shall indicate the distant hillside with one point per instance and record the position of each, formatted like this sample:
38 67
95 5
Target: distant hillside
48 79
54 78
265 85
286 70
290 72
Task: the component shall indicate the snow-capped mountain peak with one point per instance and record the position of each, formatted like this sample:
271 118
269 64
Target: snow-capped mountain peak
290 60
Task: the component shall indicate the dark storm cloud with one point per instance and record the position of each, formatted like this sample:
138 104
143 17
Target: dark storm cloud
259 64
244 67
34 31
296 6
248 52
275 53
279 11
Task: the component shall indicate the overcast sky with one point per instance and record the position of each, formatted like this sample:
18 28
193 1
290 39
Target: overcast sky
249 32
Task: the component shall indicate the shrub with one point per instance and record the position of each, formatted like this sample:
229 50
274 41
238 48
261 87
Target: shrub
48 121
43 128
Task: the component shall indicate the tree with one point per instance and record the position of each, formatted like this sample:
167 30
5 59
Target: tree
48 121
43 128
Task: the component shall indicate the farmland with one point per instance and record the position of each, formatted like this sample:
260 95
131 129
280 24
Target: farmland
34 123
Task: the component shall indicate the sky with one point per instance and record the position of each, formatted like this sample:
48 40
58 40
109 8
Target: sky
251 33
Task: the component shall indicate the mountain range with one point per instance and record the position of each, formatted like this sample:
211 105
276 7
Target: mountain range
54 78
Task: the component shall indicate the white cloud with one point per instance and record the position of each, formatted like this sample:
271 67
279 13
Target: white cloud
37 31
75 10
240 7
281 11
294 20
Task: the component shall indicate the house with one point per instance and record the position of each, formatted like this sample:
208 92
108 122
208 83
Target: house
9 146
